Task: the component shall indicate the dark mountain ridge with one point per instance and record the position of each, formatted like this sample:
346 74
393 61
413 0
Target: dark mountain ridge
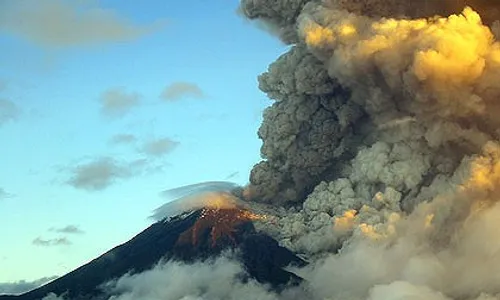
199 235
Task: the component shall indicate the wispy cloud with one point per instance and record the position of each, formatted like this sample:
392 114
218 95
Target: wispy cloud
180 90
22 286
122 139
69 229
59 23
159 147
116 102
9 111
232 175
62 241
98 174
153 147
4 194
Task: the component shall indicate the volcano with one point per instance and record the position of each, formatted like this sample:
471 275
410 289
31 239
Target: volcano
192 236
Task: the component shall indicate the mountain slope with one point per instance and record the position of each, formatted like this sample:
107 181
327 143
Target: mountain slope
199 235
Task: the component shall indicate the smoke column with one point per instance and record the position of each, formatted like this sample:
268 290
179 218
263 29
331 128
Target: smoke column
381 150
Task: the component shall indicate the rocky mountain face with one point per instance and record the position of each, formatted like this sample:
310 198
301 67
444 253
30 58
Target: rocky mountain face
195 236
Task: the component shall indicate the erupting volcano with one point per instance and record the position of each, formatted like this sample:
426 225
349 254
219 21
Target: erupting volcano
380 167
213 229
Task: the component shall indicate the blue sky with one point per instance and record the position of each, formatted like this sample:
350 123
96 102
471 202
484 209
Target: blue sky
103 105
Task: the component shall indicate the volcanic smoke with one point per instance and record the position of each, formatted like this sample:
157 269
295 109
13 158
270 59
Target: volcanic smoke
381 152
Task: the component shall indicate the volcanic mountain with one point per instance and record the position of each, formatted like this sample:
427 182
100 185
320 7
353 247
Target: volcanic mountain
196 235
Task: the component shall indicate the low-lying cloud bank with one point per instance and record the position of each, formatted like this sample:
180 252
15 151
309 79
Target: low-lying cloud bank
19 287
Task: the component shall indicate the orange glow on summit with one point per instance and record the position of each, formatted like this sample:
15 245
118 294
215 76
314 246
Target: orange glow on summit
220 219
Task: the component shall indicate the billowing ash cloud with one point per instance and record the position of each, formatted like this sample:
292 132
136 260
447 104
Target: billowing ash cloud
382 150
349 74
278 16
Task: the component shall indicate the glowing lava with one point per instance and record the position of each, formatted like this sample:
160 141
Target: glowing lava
219 222
221 214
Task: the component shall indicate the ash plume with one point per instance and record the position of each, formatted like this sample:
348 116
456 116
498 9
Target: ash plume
381 150
349 72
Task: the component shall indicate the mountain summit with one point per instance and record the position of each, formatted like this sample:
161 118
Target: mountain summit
198 235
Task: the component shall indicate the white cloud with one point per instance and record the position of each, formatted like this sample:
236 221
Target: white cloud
22 286
218 279
52 296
